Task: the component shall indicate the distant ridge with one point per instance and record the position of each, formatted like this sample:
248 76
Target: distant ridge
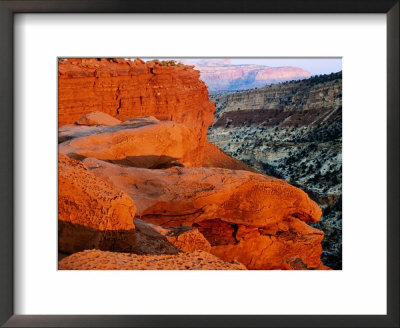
222 76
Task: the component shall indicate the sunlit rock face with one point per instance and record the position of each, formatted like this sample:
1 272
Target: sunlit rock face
127 88
142 142
91 212
246 217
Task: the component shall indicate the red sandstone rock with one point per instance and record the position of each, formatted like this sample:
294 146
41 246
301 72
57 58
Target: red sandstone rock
97 118
289 244
87 200
90 210
183 196
98 260
139 142
124 89
153 239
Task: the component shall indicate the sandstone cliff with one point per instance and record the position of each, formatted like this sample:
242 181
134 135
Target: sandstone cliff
125 89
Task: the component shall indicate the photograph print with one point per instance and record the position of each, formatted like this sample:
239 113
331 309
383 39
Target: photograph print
199 163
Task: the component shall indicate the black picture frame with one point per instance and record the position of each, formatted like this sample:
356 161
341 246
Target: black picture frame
10 7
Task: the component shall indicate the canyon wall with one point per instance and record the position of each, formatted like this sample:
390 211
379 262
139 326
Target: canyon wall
293 131
125 89
221 75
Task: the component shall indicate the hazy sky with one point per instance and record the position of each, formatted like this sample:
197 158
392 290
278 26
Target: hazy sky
315 66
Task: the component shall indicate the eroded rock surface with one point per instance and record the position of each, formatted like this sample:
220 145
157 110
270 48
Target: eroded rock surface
140 142
91 212
85 199
289 244
183 196
100 260
128 88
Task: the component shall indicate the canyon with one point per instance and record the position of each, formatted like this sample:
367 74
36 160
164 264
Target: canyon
292 131
141 187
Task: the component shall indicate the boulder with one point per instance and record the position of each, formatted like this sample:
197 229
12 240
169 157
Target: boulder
183 196
286 245
91 212
139 142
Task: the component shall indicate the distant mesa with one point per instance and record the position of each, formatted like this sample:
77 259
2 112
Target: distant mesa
221 75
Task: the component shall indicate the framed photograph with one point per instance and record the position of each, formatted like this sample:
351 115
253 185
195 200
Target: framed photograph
213 164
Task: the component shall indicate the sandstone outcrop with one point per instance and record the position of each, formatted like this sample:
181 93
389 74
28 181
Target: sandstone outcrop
289 244
91 212
183 196
246 217
140 142
128 88
100 260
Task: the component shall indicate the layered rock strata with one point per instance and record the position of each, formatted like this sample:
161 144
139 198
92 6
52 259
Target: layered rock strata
222 75
128 88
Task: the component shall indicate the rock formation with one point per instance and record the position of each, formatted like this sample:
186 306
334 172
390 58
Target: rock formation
91 212
144 142
291 131
128 88
221 75
98 260
288 244
183 196
246 217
